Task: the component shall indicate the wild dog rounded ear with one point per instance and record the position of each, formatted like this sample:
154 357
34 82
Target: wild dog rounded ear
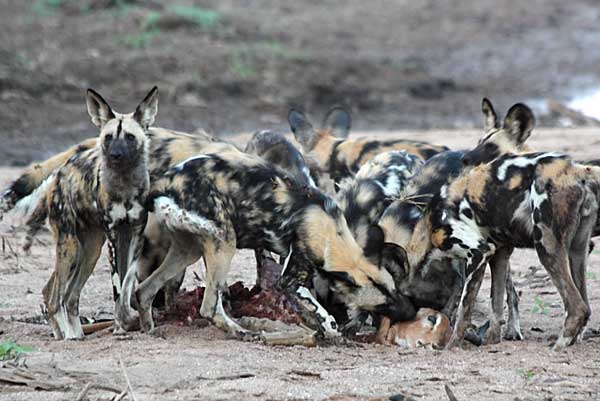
147 109
490 119
375 240
301 128
519 122
98 108
395 260
339 121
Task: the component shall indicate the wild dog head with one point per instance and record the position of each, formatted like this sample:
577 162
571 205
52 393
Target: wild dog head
501 139
356 281
123 137
276 149
430 329
336 125
318 144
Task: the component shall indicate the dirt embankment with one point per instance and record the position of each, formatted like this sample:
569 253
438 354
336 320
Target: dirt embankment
231 66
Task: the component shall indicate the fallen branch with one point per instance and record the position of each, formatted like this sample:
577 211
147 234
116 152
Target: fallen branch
127 380
228 377
84 392
94 327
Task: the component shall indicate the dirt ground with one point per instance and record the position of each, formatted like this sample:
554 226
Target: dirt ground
233 65
200 363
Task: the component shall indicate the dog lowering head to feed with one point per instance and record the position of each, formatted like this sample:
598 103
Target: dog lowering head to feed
99 192
364 197
339 156
275 148
214 203
548 203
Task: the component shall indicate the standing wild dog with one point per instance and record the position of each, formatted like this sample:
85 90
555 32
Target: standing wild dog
548 202
406 225
99 192
214 203
165 148
341 157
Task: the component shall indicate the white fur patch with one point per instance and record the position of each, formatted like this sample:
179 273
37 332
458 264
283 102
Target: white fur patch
116 281
523 161
181 165
524 215
27 204
134 212
327 321
286 262
117 212
306 172
176 218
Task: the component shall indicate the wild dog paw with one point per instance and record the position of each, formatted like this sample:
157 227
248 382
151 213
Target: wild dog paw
562 343
513 334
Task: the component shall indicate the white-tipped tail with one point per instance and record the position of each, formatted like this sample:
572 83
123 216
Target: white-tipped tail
28 204
177 219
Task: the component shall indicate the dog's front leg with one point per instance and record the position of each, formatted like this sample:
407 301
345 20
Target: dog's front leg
293 282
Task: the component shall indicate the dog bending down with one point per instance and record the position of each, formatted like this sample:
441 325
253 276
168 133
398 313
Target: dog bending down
548 203
212 204
99 192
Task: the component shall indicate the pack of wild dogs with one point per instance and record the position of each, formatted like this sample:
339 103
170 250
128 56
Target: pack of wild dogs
400 241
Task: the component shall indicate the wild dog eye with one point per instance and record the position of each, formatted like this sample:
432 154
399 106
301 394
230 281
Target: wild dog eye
108 138
130 137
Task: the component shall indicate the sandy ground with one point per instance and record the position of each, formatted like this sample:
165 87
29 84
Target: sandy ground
200 363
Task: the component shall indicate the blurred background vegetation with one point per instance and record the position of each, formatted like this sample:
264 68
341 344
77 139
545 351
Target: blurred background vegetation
229 66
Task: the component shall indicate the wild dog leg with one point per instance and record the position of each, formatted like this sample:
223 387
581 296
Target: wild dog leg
557 240
513 325
217 257
54 291
185 250
91 242
125 317
499 268
458 265
476 270
293 282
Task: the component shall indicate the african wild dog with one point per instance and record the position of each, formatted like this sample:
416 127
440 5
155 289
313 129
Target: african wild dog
165 148
99 192
214 203
364 197
275 148
339 156
547 202
405 224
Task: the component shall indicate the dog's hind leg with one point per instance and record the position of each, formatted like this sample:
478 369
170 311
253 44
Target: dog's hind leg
90 243
185 250
217 258
499 267
513 325
67 248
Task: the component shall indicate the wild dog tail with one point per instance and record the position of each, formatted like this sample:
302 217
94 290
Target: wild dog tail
37 218
23 194
176 218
